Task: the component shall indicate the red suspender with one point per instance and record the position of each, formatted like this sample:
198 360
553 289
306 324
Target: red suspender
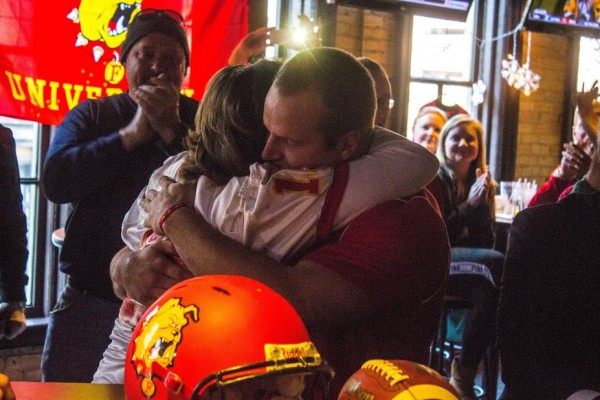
332 202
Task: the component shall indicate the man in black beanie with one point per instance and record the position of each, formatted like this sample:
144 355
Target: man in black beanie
150 21
100 158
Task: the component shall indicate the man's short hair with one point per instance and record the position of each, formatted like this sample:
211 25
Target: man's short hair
373 66
345 85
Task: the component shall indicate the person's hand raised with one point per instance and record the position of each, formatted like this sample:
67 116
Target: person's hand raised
478 194
137 132
159 101
574 163
589 111
257 41
252 44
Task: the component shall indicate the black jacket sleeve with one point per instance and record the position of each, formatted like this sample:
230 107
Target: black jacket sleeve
13 226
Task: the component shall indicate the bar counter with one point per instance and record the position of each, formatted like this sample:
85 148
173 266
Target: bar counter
67 391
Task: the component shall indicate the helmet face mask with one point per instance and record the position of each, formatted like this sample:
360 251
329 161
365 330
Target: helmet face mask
274 386
294 377
219 337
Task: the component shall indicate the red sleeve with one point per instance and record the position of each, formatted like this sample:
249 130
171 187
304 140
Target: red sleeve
549 192
397 252
566 192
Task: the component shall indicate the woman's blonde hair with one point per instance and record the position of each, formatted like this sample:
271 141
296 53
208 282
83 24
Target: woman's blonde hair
430 110
454 122
481 160
230 134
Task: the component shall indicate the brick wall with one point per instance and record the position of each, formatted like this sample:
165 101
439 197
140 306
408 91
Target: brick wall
539 140
367 33
21 364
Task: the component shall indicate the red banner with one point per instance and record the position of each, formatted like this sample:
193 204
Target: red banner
55 54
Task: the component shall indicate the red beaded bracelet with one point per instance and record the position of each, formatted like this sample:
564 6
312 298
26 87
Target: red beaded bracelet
167 213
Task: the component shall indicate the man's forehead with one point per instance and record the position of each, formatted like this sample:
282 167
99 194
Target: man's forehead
296 115
157 40
309 96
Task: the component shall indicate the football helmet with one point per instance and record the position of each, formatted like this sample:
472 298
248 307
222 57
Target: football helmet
397 380
223 337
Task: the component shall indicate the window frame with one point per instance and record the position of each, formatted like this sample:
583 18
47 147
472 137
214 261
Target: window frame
475 23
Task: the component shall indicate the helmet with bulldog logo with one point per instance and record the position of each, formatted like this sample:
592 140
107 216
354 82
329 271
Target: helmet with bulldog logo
223 337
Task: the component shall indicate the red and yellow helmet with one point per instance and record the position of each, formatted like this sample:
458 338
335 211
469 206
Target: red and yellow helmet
397 380
219 337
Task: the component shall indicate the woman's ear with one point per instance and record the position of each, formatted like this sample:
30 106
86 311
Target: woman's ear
349 145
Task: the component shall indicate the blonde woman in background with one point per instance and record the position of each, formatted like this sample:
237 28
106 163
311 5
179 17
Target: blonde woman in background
468 191
467 197
427 127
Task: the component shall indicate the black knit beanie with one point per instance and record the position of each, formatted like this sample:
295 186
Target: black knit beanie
156 21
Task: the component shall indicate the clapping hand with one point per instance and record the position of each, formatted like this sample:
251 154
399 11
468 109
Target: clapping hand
589 111
574 163
12 319
157 114
479 190
138 131
159 100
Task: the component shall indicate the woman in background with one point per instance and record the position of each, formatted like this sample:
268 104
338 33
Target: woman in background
467 189
467 197
428 126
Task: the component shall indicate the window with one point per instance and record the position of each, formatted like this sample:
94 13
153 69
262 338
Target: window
286 15
441 64
30 148
589 62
